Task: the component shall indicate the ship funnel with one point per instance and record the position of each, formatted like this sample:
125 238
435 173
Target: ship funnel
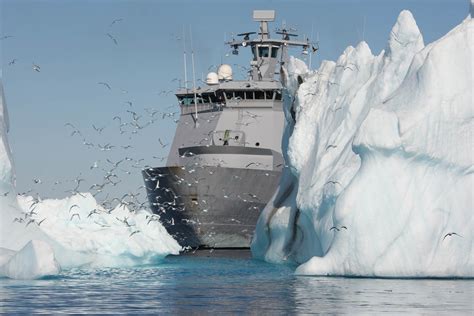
224 72
212 78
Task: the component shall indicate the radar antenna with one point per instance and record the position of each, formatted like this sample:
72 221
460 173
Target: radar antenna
246 35
268 53
264 16
285 34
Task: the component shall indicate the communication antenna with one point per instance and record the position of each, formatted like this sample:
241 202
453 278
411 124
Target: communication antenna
222 51
311 55
363 30
317 41
184 52
194 75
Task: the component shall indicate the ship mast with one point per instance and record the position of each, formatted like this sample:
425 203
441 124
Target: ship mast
184 53
266 50
194 78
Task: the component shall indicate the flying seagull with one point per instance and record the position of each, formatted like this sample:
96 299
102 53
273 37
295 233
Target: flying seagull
112 38
98 129
105 84
134 232
115 21
451 234
338 229
161 143
18 219
39 223
36 67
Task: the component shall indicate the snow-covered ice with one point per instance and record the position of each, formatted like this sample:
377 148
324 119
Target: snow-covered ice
36 259
39 237
381 162
95 236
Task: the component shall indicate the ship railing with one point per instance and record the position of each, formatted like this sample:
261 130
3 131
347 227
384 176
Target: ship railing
196 151
202 107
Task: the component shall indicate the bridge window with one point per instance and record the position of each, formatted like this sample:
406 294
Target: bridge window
274 52
249 95
269 95
278 95
186 100
259 95
229 95
239 95
211 98
263 51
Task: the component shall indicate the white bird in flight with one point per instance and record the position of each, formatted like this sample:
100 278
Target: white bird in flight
36 67
112 38
115 21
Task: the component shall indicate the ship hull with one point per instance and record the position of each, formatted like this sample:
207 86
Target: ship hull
210 207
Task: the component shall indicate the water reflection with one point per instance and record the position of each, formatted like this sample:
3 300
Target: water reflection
362 296
196 285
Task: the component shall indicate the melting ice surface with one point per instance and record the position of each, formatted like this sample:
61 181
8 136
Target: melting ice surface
381 159
40 237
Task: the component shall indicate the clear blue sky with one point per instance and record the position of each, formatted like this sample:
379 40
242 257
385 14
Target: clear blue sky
68 40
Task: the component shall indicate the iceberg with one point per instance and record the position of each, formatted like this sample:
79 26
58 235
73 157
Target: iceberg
39 237
33 261
93 236
380 162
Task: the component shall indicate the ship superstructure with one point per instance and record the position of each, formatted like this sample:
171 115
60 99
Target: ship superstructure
225 160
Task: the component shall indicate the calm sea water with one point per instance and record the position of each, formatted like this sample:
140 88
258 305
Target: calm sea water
183 285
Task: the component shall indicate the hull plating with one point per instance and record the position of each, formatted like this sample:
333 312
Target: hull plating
211 207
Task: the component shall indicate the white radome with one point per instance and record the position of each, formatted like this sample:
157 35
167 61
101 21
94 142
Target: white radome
212 78
224 72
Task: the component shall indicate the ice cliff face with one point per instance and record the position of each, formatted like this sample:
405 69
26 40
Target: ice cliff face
9 209
381 159
39 237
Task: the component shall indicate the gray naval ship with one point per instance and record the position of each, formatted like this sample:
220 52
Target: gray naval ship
225 160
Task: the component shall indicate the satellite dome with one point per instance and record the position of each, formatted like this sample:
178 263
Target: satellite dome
224 72
212 78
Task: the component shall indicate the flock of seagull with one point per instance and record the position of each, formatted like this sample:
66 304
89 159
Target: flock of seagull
135 122
112 171
128 125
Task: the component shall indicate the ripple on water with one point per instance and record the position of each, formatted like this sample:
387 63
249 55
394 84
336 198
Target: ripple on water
197 284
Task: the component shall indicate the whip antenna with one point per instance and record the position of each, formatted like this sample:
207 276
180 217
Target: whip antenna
194 74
